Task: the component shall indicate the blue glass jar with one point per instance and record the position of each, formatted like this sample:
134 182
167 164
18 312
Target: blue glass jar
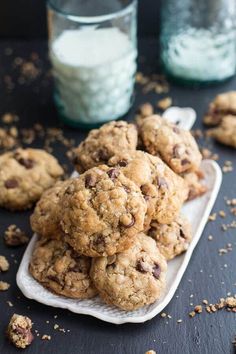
198 43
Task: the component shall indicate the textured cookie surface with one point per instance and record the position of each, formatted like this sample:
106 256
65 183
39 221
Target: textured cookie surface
224 104
133 278
225 133
19 331
24 175
45 220
103 211
57 267
103 143
194 183
177 147
172 239
163 190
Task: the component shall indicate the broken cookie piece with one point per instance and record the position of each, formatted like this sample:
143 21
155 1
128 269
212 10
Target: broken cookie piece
14 236
19 331
4 264
225 133
224 104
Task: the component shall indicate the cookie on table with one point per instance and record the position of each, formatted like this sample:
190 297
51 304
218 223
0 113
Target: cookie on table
194 183
103 143
133 278
24 175
224 104
163 190
19 331
172 239
58 268
225 133
176 146
102 212
45 220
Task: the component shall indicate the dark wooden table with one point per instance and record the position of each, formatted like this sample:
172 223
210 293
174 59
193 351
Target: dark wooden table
209 276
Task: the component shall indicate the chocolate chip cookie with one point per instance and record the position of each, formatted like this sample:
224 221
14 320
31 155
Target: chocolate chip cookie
103 212
103 143
45 220
194 183
176 146
24 175
163 190
172 239
225 133
58 268
133 278
223 105
19 331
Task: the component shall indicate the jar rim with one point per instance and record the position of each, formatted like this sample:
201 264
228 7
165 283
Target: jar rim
92 19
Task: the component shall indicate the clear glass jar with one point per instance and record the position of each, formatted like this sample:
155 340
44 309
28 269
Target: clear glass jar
93 51
198 43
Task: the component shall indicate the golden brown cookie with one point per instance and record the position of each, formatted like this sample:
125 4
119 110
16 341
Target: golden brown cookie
103 143
194 183
176 146
45 220
24 175
133 278
225 133
103 211
223 105
172 239
163 190
60 269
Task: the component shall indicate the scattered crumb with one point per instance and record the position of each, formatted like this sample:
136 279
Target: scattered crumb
163 314
4 264
164 103
9 118
208 154
228 166
210 237
151 352
14 236
4 286
19 331
146 109
222 213
56 326
198 309
46 337
212 217
179 321
9 303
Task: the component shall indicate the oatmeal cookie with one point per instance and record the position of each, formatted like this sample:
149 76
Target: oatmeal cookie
225 133
19 331
103 212
223 105
133 278
60 269
163 190
24 175
176 146
195 186
103 143
172 239
45 220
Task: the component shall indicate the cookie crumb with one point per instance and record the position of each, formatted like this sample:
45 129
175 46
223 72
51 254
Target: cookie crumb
164 103
9 303
4 264
198 309
14 236
146 109
4 286
179 321
222 213
192 314
163 314
212 217
19 331
210 237
151 352
46 337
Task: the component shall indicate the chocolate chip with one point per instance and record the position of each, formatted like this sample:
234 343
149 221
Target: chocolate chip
156 271
185 162
152 231
11 183
161 182
90 181
122 163
54 278
176 130
99 240
113 173
102 155
141 267
181 233
27 163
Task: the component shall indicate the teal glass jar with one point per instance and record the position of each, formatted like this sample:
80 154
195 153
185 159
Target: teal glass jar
93 51
198 43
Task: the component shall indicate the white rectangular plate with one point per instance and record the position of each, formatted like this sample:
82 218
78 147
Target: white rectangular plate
197 211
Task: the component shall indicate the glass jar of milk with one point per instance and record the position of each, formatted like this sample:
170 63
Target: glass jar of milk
93 51
198 42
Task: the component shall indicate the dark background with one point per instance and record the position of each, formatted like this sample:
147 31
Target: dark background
206 277
27 18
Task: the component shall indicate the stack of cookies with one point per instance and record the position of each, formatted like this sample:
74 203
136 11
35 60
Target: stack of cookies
112 230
